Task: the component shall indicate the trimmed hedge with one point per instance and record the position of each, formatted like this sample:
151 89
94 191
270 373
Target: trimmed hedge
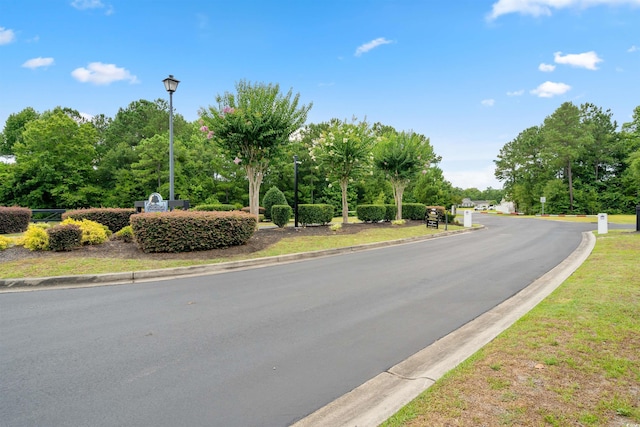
36 238
114 218
371 213
315 214
64 237
391 211
185 231
218 207
93 233
14 219
281 214
415 211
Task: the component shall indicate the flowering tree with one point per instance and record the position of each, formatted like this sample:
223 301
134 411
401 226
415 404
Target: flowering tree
344 150
252 126
401 155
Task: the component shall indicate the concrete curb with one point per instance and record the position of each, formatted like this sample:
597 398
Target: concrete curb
379 398
196 270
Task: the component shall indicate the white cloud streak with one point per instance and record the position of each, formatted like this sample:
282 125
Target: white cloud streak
546 68
633 48
544 7
38 62
371 45
588 60
550 89
6 36
102 74
516 93
488 102
87 4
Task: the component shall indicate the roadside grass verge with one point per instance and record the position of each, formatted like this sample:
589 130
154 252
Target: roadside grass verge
572 360
66 266
611 219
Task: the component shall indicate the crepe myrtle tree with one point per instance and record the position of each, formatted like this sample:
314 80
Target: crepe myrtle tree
252 126
401 156
344 150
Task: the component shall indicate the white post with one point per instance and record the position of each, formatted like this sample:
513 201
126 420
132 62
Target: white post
467 218
603 226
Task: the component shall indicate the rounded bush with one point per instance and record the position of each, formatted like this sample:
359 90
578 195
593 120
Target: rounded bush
371 213
93 233
281 214
36 238
14 219
113 218
125 234
64 237
4 243
272 197
315 214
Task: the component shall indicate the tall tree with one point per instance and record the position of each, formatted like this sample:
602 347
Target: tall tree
54 163
565 138
252 126
13 129
344 149
401 155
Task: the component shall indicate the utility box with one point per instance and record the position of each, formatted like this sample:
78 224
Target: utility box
603 226
467 218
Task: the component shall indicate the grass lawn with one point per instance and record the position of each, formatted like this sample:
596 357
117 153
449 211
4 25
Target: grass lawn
61 266
574 360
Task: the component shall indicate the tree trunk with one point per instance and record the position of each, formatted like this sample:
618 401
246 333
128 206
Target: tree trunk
345 204
570 175
398 190
254 175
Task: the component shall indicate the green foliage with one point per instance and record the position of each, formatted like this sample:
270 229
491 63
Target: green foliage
93 233
13 129
272 197
344 150
113 218
14 219
390 212
315 214
36 238
371 213
5 242
125 234
185 231
64 237
253 125
216 207
281 214
415 211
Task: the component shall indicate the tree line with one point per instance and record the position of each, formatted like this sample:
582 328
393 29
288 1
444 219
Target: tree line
247 141
577 159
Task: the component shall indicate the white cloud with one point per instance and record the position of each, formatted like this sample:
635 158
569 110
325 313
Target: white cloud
516 93
633 48
6 36
488 102
588 60
102 74
550 89
38 62
371 45
544 7
92 4
546 68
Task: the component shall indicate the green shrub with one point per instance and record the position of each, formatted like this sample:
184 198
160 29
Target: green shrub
93 233
390 213
272 197
315 214
247 209
4 243
36 238
414 211
371 213
281 214
64 237
220 207
14 219
125 234
184 231
113 218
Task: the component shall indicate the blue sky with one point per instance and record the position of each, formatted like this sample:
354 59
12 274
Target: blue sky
468 74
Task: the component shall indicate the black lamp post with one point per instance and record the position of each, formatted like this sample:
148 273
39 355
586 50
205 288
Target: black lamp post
295 191
170 84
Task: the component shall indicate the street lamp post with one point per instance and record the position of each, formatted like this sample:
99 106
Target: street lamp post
170 84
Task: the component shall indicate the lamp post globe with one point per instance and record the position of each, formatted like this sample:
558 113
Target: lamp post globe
171 84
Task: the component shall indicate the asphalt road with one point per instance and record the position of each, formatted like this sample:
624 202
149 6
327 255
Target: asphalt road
260 347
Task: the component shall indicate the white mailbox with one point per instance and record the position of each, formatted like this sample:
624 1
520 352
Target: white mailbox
603 226
468 215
